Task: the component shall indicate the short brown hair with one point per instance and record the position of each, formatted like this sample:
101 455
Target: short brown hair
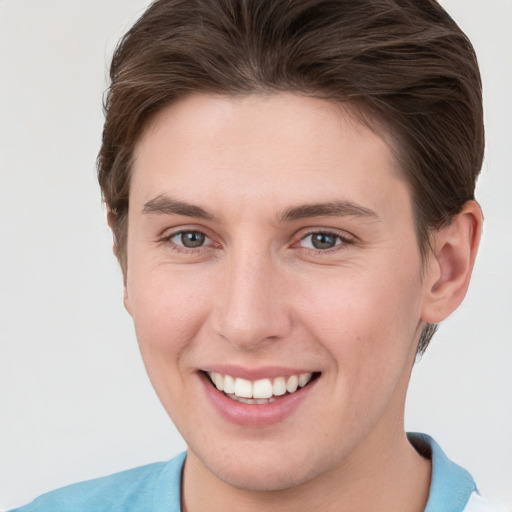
405 65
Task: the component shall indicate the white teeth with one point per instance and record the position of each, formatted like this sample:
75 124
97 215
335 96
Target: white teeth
292 383
304 378
279 387
218 380
243 388
262 401
260 391
229 384
249 401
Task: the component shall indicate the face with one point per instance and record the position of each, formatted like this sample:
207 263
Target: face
271 240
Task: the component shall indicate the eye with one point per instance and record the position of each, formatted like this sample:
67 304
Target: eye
322 240
188 239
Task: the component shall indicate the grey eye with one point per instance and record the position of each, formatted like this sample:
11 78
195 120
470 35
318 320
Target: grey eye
321 241
190 239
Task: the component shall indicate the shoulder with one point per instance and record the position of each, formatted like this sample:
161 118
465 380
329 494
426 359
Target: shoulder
147 488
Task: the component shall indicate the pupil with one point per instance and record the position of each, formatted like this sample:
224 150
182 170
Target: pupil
192 239
323 241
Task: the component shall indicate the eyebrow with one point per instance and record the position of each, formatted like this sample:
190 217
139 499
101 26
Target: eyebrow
165 205
329 209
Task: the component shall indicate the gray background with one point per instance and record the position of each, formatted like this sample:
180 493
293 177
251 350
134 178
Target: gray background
74 398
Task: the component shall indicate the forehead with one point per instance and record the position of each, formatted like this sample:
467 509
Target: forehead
264 149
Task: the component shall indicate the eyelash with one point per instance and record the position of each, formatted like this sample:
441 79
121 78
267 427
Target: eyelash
344 241
173 246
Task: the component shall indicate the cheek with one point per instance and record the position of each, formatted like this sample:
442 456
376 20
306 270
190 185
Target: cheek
168 309
367 323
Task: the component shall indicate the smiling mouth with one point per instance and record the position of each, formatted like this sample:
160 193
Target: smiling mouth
262 391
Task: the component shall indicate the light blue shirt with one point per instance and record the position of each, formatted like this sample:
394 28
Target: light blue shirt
156 487
451 485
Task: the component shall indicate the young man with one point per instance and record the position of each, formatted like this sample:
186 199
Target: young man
291 190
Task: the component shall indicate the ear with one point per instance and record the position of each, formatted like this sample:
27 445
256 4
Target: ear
126 300
112 220
451 262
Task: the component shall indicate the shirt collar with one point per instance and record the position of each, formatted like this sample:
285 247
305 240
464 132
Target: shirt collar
450 488
451 485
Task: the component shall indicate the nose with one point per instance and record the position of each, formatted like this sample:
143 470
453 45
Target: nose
252 306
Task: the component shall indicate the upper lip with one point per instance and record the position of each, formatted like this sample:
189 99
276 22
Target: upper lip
256 373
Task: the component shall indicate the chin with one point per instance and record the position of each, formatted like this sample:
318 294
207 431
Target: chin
262 480
259 473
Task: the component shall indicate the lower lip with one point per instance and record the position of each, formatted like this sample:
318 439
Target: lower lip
255 415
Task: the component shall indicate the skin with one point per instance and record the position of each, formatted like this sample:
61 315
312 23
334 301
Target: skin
258 294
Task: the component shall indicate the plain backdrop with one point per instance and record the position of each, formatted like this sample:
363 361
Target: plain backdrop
75 401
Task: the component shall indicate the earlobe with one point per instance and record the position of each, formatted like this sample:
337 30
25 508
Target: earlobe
126 301
111 221
111 218
451 261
